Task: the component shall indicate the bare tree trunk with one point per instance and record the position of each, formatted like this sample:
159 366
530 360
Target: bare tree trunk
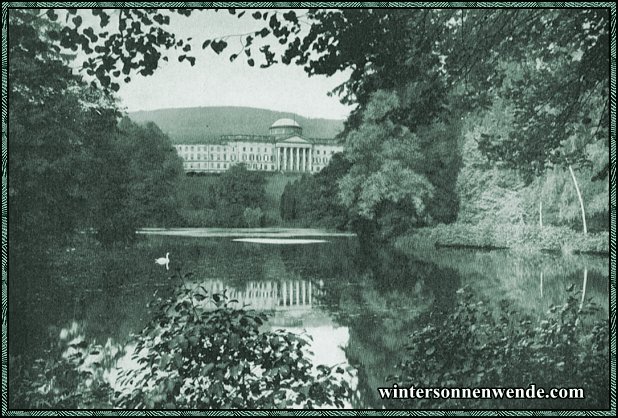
581 201
541 214
581 304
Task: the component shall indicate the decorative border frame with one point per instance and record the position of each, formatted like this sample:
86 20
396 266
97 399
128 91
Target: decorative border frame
612 209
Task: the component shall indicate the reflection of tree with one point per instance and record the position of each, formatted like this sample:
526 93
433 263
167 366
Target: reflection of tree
391 296
333 259
503 274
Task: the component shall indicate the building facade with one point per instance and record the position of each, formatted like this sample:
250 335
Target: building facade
284 149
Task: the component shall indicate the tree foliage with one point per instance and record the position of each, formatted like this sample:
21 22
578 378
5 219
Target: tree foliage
384 177
194 356
549 64
313 200
47 137
138 172
474 347
72 165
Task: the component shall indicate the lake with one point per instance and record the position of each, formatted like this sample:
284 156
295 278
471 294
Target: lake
359 305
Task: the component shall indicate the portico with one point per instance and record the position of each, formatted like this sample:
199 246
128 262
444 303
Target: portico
294 154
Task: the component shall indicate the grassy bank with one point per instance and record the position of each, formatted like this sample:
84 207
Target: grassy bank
507 236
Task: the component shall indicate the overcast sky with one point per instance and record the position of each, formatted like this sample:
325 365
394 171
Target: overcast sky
215 81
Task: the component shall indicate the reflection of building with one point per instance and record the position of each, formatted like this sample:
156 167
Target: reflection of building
283 149
292 302
268 295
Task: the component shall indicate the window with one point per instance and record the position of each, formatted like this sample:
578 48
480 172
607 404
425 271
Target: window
251 149
218 165
244 149
318 152
224 157
191 148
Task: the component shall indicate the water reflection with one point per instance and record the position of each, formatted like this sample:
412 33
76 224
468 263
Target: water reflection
358 304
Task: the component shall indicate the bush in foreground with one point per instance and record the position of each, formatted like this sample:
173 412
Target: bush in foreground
192 356
477 347
198 352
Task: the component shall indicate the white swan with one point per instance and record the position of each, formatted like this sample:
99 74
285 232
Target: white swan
164 261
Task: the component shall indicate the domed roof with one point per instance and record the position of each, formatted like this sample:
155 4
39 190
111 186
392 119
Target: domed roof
285 122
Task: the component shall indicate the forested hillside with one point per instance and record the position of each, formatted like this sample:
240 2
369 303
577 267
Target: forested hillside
207 124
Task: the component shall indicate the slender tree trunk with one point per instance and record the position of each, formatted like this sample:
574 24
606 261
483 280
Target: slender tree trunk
579 196
541 214
581 304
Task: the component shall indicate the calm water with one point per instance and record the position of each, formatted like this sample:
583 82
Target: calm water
357 304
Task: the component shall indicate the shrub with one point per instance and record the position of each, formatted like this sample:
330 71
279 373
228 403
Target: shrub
475 347
192 356
253 217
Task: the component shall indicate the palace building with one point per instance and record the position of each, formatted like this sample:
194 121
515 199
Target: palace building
284 149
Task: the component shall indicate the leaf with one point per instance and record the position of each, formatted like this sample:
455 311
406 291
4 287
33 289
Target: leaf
206 43
51 15
251 62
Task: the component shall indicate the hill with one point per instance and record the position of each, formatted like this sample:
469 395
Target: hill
207 124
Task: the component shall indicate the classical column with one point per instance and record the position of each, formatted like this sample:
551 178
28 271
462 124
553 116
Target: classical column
310 289
284 289
285 161
304 291
304 160
311 159
297 293
289 159
278 159
291 293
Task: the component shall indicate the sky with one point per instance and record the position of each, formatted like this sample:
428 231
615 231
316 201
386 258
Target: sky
215 81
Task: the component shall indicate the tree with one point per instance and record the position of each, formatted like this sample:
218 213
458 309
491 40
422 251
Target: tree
440 63
137 173
384 178
48 138
71 164
238 189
